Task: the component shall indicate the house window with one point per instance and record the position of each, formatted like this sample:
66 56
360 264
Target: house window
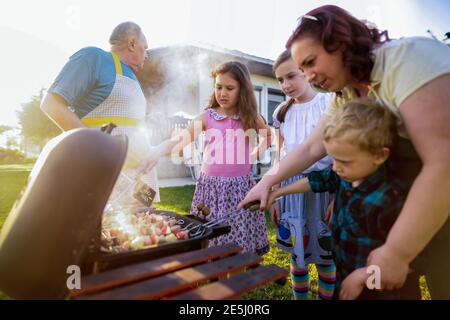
258 91
275 97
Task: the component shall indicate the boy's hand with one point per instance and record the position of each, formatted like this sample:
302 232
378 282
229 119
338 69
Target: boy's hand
329 212
275 213
353 284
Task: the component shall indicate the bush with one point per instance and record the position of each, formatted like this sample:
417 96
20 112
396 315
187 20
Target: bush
12 156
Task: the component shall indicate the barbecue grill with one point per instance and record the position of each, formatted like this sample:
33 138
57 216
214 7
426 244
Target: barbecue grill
200 232
56 221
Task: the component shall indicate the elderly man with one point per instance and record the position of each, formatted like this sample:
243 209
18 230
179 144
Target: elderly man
96 87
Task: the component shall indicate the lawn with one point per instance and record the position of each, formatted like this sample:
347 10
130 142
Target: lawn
11 183
178 199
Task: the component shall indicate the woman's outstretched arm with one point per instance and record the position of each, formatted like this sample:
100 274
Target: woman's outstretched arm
309 152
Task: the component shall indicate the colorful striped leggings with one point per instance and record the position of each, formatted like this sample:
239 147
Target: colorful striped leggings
300 281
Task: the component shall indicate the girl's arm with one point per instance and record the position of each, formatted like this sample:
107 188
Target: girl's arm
426 114
274 210
310 151
279 144
181 140
175 144
265 139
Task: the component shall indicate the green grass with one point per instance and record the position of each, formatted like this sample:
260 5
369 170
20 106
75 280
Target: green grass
11 183
279 257
13 178
16 167
176 199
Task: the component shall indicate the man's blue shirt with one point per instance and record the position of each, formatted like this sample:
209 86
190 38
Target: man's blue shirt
87 79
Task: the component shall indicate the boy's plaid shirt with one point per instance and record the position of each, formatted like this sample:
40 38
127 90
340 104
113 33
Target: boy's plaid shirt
362 216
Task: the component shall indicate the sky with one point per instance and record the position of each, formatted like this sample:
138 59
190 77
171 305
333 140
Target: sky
39 36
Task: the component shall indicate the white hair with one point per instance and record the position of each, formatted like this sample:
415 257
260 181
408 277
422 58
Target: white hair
123 32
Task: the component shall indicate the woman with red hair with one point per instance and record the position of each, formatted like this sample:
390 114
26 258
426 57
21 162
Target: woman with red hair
411 76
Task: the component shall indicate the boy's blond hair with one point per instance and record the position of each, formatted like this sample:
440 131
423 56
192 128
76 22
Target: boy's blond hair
371 125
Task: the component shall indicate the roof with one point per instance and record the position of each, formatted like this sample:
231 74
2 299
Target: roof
256 65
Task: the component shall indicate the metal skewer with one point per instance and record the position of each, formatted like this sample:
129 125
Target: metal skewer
252 206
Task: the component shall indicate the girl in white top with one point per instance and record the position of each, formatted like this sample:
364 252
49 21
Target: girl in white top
299 218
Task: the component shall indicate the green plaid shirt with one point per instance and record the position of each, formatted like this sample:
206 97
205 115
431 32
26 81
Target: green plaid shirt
362 216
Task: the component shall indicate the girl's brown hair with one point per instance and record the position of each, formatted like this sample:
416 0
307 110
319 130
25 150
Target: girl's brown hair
334 27
247 107
283 57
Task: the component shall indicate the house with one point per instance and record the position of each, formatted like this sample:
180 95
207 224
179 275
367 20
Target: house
177 83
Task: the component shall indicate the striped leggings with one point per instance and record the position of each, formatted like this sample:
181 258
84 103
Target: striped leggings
300 281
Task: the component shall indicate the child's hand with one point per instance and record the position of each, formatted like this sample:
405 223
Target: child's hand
147 164
275 213
353 284
329 212
272 198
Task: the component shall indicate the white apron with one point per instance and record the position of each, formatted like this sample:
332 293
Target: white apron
125 107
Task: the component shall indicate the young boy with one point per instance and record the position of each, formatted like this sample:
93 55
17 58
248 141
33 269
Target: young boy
359 138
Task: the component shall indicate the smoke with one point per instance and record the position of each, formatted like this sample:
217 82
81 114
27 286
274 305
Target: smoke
176 79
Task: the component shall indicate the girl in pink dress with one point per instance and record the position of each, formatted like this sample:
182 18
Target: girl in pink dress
232 127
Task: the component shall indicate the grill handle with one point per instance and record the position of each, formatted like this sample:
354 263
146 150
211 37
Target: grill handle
108 128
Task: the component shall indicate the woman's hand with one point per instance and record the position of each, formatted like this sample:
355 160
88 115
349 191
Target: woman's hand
259 192
298 160
394 269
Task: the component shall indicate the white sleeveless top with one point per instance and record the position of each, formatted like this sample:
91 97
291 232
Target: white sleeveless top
299 122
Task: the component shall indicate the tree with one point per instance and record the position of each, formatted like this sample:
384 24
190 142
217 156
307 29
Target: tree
4 128
11 143
36 127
